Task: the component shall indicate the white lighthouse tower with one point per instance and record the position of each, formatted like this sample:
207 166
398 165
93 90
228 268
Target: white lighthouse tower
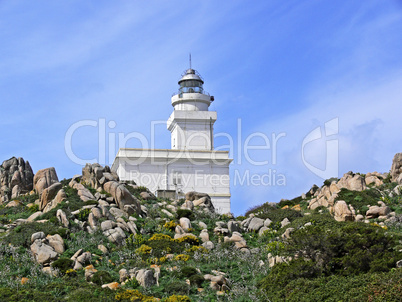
191 124
191 164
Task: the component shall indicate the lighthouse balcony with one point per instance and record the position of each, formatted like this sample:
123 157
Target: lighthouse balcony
192 97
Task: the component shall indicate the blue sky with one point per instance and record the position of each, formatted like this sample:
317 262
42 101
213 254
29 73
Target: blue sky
279 66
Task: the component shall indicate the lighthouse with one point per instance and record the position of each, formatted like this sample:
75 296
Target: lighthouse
191 124
191 164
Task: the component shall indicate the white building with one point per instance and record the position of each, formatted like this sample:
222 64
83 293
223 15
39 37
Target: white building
192 164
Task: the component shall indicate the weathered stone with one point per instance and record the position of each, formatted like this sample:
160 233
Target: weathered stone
167 213
34 216
201 200
202 225
188 204
285 222
132 226
342 211
38 235
234 226
376 211
48 194
287 233
92 221
42 252
185 223
209 245
373 180
60 196
147 196
84 258
56 242
107 225
118 213
396 168
62 217
90 270
255 224
145 277
124 275
122 196
353 182
82 192
44 178
103 249
267 222
262 230
204 235
359 217
96 212
111 286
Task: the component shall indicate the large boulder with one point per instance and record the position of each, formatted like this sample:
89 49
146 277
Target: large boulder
255 224
396 168
376 211
122 196
353 182
95 175
82 192
200 200
60 196
46 250
48 194
342 211
16 178
145 277
44 178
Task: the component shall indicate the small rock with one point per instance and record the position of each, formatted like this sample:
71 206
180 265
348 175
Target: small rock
112 286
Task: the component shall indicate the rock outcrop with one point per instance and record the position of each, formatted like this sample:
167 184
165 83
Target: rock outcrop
200 200
46 249
44 178
16 177
396 168
123 198
95 176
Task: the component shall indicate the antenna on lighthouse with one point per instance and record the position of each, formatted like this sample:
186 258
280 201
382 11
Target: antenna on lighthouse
190 60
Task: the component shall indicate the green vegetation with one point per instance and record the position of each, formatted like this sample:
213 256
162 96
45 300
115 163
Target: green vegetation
324 260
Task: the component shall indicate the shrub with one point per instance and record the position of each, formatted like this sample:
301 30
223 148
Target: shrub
182 257
135 240
83 214
160 237
162 247
190 239
143 250
132 295
188 271
170 225
360 199
277 215
185 213
63 264
101 277
177 298
177 287
22 235
196 280
290 203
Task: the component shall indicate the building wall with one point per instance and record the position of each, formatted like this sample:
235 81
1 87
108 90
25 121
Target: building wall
182 176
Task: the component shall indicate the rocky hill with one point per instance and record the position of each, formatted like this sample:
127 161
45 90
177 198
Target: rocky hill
95 238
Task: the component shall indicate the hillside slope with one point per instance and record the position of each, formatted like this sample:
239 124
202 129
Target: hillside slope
95 238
